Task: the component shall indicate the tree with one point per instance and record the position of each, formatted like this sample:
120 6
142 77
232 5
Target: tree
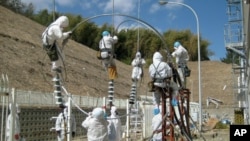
29 10
231 57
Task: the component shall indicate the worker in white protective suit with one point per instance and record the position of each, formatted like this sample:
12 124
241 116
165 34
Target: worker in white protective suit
16 129
96 125
157 125
61 124
137 63
50 36
160 72
107 53
181 58
115 126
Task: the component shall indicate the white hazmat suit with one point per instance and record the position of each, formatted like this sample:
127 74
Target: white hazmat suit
158 72
16 129
157 126
51 34
61 125
106 47
107 55
137 64
181 58
114 127
96 125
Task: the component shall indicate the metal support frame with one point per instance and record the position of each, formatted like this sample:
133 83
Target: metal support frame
182 115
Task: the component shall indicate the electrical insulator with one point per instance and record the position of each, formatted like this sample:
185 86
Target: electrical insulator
111 92
58 90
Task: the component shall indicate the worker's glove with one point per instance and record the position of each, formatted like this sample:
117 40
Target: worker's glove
69 33
115 37
17 136
73 134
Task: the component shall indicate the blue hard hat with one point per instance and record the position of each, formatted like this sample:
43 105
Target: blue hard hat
176 44
105 33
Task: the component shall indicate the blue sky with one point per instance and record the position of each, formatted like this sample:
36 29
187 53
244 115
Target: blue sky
211 15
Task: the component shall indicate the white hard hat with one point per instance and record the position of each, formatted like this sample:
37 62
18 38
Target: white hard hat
98 113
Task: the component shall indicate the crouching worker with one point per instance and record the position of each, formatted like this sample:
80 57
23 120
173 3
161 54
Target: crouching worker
96 125
50 36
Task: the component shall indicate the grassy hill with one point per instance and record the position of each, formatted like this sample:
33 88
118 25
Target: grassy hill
28 67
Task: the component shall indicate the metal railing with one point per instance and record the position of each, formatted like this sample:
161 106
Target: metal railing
43 99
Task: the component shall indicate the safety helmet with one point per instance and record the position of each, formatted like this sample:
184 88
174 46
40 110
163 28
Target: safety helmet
105 33
98 113
177 44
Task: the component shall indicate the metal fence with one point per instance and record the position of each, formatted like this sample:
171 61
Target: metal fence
43 99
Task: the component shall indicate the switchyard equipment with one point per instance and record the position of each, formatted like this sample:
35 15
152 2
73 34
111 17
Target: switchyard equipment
235 43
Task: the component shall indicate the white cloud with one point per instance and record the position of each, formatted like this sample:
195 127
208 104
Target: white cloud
154 8
120 6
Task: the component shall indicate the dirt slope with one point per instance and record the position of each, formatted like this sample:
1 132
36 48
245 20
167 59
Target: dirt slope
28 67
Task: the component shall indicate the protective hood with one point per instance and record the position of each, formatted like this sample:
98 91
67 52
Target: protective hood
18 110
138 55
157 57
98 113
62 21
113 110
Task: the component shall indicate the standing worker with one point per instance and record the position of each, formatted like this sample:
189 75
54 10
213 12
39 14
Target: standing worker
61 124
181 58
16 121
96 125
50 36
137 63
115 126
159 72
